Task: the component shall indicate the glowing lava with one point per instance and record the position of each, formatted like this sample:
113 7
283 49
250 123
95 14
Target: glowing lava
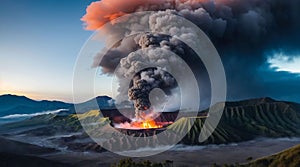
146 124
143 124
144 119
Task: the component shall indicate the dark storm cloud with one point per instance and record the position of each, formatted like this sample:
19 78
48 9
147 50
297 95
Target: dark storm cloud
243 31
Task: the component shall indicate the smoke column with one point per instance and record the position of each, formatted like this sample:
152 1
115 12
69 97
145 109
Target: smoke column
144 82
242 31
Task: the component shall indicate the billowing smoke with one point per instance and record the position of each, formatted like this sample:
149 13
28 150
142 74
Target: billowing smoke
144 82
159 50
243 31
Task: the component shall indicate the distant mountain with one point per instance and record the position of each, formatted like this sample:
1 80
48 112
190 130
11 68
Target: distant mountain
12 104
100 102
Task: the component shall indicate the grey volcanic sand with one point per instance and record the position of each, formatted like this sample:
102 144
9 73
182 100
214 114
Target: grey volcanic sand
188 155
15 154
16 147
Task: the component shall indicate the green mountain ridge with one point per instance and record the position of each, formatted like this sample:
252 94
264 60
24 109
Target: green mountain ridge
240 122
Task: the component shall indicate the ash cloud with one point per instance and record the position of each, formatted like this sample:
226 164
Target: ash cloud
146 81
159 50
243 31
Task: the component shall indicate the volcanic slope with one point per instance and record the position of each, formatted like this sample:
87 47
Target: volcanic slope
289 157
246 120
241 121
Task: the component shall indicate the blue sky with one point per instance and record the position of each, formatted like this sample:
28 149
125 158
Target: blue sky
39 43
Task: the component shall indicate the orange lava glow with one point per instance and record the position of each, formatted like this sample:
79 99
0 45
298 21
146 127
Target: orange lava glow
150 124
147 124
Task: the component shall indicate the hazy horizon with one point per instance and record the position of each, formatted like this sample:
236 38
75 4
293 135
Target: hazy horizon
55 99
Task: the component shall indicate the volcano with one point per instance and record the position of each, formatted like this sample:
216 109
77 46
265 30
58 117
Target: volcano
145 121
120 119
143 124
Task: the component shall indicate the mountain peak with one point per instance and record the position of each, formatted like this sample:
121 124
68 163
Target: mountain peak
9 98
103 97
266 100
13 104
13 96
251 102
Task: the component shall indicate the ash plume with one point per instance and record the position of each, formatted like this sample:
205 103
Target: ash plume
159 50
243 31
144 82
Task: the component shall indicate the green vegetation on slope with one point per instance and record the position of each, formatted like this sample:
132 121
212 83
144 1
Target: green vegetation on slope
241 121
287 158
50 124
246 122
